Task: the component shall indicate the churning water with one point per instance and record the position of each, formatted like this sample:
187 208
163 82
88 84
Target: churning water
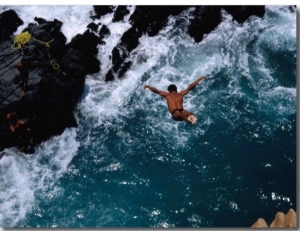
128 164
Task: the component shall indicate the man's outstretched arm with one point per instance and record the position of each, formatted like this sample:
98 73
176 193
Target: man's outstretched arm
192 85
154 90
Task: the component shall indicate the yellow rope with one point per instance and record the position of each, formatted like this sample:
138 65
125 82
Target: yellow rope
47 44
24 38
20 40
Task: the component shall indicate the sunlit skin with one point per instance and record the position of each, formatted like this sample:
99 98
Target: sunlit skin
175 100
13 121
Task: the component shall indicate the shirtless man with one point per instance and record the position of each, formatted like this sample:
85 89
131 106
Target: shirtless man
175 101
13 121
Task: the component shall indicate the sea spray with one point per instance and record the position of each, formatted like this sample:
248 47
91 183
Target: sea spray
128 164
27 179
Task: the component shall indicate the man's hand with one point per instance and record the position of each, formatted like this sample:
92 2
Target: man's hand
202 77
154 90
192 85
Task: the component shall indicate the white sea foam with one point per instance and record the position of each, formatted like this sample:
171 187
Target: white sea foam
116 31
279 100
69 15
282 34
24 178
163 59
157 61
108 101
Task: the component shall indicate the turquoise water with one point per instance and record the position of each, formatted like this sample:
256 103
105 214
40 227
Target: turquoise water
128 164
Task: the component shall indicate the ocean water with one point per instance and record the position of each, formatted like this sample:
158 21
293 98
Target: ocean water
128 164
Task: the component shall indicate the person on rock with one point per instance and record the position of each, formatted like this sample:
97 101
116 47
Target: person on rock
22 131
16 125
23 69
175 101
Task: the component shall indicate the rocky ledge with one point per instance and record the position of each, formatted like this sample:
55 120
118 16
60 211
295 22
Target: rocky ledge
151 19
42 77
281 220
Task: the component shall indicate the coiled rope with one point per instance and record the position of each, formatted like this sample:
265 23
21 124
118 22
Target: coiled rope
20 40
23 38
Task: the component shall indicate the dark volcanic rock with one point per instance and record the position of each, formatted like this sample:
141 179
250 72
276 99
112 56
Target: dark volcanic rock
130 39
86 44
151 19
144 20
9 22
42 82
102 10
104 31
206 19
120 13
93 26
242 13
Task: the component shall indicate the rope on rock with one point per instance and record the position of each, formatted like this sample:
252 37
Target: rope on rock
47 44
20 40
23 38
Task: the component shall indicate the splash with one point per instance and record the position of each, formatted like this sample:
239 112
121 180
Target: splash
26 178
129 149
67 14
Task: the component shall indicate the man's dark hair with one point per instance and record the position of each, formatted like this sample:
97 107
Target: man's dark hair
172 87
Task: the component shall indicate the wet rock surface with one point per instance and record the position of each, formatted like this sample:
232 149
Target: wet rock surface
41 80
42 77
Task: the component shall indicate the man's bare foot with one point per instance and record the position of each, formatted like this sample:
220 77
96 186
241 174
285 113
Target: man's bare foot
192 119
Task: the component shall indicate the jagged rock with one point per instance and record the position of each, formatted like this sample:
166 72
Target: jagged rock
279 220
9 22
206 19
285 221
102 10
260 223
120 13
130 39
242 13
119 54
86 44
42 83
120 65
109 76
104 31
151 19
93 26
144 20
290 219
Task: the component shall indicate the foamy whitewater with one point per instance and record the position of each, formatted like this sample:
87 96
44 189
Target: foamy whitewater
128 164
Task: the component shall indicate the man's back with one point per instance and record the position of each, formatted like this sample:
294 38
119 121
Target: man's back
174 101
